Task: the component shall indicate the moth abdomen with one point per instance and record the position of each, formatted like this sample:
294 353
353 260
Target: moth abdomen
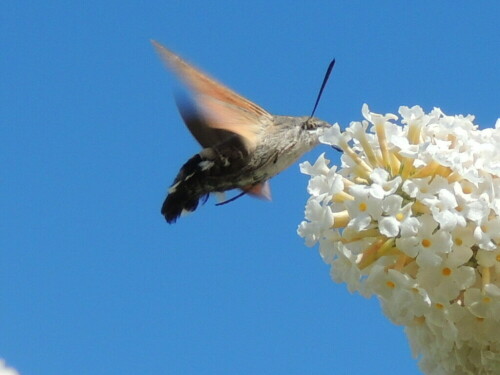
211 170
187 189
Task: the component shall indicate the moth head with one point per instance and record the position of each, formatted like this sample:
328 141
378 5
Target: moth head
313 123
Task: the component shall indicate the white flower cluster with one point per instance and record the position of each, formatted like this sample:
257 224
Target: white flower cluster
413 216
5 370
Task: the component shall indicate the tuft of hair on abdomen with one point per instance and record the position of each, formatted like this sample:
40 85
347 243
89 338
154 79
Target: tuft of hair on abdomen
186 191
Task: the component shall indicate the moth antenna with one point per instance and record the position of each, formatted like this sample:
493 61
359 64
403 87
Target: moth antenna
231 199
325 80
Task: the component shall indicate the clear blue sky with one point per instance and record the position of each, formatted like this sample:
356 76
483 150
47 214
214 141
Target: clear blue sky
94 281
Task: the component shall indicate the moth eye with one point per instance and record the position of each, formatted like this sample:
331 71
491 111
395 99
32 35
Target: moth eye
309 125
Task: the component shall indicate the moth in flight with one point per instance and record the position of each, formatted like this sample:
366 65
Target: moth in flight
243 144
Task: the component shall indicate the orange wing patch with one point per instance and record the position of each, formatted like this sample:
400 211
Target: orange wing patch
222 107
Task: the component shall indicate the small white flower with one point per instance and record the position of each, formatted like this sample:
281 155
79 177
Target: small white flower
413 115
487 233
376 118
320 166
382 186
397 220
324 184
429 245
403 300
463 240
320 219
425 189
483 303
333 136
444 211
344 269
406 149
487 258
363 204
445 282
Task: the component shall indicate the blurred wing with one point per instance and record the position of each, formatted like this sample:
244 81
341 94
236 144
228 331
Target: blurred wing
198 125
218 107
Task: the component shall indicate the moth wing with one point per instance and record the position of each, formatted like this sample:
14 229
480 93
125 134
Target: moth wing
198 124
220 107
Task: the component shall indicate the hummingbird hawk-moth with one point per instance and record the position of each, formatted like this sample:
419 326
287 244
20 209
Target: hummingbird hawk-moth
243 144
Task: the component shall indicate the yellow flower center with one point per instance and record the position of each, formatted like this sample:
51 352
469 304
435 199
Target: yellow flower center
446 271
426 242
467 190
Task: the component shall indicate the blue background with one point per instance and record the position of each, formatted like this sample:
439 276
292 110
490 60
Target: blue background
93 281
